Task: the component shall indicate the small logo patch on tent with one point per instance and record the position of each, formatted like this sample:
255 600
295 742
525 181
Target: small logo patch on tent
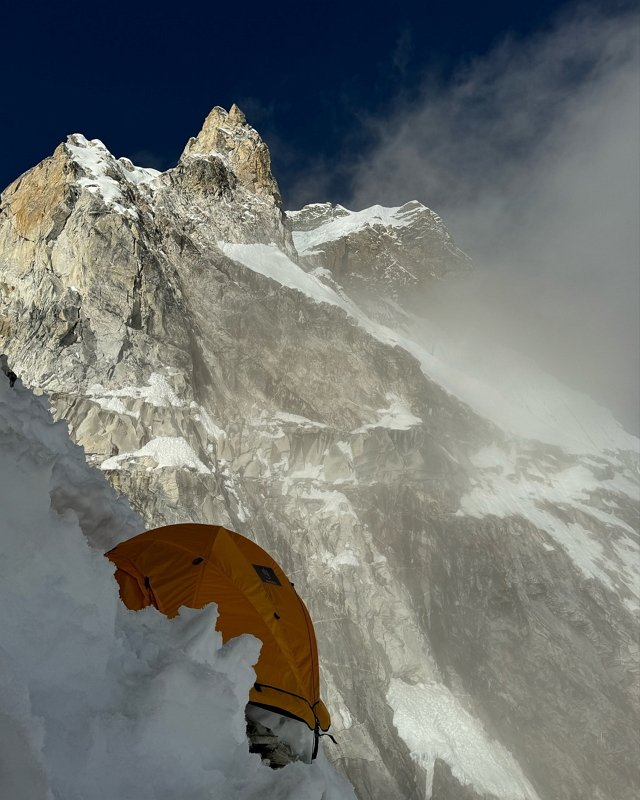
267 575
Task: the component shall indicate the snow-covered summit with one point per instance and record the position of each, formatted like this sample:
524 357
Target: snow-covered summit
323 222
107 177
396 248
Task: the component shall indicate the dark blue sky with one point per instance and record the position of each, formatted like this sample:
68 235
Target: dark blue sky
141 76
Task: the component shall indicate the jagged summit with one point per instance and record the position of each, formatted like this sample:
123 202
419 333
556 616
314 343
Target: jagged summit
228 134
221 189
236 156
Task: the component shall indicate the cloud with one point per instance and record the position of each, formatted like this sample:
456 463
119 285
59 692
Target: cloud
531 156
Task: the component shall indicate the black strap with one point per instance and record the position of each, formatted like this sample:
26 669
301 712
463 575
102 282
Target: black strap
260 686
316 740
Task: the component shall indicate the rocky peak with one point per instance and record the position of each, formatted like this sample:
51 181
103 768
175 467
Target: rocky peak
311 216
228 135
377 249
36 202
117 181
80 175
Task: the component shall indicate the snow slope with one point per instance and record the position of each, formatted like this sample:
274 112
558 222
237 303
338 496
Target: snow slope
434 725
97 701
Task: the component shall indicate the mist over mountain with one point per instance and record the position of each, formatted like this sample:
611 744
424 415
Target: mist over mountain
530 153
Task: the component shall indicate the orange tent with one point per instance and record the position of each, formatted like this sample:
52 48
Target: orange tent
193 565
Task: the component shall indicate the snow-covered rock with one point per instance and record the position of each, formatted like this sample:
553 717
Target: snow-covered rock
378 249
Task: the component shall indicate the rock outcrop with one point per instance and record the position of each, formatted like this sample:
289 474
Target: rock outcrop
473 588
227 136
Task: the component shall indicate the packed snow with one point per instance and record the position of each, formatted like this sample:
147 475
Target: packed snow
296 419
434 724
344 558
157 392
202 415
97 701
172 452
332 502
269 260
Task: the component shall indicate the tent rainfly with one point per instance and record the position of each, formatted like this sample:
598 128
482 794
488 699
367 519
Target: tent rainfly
193 565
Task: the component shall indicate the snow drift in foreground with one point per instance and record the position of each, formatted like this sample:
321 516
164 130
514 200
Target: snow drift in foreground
96 701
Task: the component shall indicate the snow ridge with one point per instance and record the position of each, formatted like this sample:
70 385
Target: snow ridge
105 177
342 222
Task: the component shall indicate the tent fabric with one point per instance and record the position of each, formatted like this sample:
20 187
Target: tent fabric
193 565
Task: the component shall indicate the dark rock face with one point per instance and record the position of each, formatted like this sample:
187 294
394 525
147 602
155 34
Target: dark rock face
472 590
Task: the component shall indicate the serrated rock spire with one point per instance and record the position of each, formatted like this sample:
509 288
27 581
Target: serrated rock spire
228 134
